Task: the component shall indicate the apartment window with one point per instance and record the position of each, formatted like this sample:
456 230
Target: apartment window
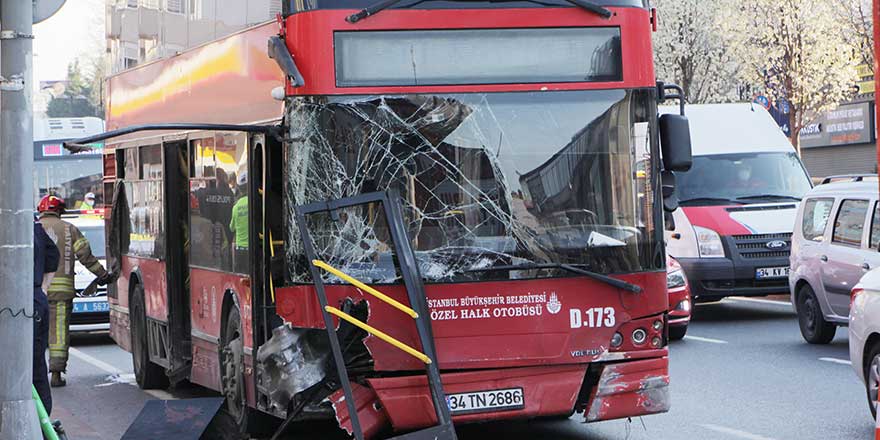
175 6
132 3
128 63
151 4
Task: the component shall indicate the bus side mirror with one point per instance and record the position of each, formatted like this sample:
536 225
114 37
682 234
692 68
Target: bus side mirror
667 189
675 142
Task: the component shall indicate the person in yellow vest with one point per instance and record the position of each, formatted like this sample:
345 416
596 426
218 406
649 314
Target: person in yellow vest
239 224
73 246
88 202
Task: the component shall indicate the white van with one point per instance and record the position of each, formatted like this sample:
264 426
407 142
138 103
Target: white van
732 231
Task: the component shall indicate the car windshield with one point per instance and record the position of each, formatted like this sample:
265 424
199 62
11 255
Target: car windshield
95 236
724 179
487 180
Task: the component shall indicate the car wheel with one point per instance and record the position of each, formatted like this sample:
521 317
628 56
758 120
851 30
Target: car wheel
677 332
872 378
814 328
148 375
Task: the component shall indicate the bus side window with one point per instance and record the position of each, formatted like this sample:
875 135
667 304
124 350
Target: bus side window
206 240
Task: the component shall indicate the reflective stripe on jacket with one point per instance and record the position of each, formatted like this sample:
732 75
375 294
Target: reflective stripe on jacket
73 246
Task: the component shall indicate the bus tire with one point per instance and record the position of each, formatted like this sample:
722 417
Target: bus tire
148 375
247 419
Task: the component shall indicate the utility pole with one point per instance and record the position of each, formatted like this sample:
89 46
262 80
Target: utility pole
18 418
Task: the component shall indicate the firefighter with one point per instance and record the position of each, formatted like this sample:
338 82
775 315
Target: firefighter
73 246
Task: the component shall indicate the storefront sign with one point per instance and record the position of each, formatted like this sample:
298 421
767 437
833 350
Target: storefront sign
848 124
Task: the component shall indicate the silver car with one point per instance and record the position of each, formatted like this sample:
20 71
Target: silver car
864 334
835 242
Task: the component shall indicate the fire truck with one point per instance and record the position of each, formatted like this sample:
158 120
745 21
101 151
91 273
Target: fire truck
400 216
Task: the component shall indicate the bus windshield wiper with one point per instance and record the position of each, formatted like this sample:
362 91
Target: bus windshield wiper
769 196
374 9
620 284
709 199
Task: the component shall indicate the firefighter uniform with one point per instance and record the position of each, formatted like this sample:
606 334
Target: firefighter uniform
72 246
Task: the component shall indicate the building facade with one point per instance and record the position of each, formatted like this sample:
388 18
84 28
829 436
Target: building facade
843 140
140 31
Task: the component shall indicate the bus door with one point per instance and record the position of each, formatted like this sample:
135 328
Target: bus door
219 250
177 256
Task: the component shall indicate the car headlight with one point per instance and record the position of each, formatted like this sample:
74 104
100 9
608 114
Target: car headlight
675 279
684 305
709 243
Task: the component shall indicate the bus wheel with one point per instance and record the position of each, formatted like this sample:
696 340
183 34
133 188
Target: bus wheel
232 372
148 375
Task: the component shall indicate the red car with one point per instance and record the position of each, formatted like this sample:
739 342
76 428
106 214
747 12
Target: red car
679 299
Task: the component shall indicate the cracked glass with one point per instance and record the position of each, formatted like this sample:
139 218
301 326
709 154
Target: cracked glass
486 180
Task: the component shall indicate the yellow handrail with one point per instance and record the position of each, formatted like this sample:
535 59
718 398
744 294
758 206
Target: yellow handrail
379 334
391 301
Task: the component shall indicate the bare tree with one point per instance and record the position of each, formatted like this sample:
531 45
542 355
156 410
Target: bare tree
791 49
690 50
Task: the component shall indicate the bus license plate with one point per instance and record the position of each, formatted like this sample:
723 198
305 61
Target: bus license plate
91 307
486 401
771 272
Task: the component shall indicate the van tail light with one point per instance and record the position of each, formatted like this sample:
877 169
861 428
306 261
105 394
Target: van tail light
855 292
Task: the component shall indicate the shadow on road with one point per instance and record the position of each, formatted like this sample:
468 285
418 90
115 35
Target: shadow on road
89 339
730 311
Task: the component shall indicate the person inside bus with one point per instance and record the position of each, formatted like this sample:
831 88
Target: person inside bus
46 258
239 226
73 246
87 203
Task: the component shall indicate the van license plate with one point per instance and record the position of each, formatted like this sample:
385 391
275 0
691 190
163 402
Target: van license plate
764 273
486 401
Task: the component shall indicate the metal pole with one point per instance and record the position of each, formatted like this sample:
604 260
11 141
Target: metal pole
18 414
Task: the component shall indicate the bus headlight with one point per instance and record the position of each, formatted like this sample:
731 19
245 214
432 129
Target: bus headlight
709 243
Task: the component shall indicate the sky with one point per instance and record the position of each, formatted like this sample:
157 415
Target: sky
75 31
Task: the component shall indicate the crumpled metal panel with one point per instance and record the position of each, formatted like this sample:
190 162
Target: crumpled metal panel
370 413
630 389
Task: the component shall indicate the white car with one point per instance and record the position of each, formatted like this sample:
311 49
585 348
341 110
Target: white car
864 334
90 314
835 242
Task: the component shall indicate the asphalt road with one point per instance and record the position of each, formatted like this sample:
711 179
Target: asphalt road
743 372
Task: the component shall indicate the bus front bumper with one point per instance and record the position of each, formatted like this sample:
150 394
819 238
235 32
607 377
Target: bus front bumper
602 391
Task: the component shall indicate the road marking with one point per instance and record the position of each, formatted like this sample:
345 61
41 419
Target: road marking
709 340
735 432
836 361
95 362
761 301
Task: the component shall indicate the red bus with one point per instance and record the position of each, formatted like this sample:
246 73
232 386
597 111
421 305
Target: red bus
491 169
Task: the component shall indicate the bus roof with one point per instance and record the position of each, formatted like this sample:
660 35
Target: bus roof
59 129
229 80
460 4
732 128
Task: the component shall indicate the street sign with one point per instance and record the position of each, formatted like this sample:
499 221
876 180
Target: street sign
43 9
763 101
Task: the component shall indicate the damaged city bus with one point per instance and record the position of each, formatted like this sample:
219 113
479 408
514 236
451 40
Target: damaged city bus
400 217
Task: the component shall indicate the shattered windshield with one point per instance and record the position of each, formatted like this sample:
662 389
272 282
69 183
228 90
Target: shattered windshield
486 180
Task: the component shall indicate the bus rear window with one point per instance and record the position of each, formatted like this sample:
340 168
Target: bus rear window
477 56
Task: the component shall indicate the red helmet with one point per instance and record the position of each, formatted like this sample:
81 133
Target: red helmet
51 203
